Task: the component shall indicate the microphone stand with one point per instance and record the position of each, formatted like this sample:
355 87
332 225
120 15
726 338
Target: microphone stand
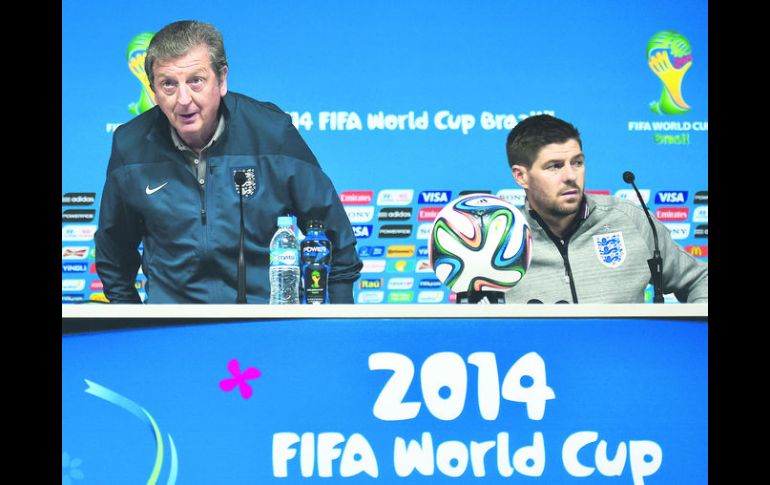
656 262
240 179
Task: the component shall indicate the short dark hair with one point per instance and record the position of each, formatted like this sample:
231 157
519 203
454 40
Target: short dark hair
177 38
530 135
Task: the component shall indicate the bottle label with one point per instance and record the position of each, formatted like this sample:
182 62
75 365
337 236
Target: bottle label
284 257
315 278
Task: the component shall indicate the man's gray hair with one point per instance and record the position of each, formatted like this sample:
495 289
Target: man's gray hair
178 38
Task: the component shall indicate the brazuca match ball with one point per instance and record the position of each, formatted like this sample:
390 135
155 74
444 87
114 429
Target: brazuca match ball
480 242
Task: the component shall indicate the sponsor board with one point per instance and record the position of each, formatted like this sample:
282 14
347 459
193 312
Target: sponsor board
424 266
78 215
430 283
701 214
678 231
400 297
424 230
72 298
435 197
370 283
359 197
373 266
78 198
362 231
675 214
371 251
400 266
74 268
428 213
395 231
74 253
671 197
395 197
395 214
371 297
71 232
401 283
73 285
630 195
701 197
430 296
698 251
400 251
702 231
359 214
517 197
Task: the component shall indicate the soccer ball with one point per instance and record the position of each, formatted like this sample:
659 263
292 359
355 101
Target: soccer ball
480 243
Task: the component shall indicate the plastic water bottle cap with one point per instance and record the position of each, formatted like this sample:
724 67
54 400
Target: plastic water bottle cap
284 221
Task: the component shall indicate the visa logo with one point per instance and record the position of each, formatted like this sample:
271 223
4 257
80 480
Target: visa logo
74 267
671 197
362 231
422 251
435 197
371 251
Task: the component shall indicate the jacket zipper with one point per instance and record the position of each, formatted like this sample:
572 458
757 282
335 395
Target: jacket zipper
568 273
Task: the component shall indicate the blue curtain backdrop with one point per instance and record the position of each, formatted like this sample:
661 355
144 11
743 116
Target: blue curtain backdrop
470 70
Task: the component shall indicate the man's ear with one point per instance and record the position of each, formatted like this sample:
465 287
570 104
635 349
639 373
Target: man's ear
521 175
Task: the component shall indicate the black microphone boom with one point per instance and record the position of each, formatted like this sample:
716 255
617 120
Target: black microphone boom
240 179
656 263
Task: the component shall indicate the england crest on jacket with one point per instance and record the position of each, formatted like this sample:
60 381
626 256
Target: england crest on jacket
250 185
610 249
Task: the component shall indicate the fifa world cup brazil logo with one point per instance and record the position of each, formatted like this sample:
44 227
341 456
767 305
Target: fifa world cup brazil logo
669 56
135 54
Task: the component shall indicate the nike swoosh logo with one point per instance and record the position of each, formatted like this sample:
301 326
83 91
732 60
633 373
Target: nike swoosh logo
150 191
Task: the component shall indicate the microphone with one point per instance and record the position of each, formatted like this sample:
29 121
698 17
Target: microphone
240 179
656 262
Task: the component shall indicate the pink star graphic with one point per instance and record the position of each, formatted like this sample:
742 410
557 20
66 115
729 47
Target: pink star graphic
239 379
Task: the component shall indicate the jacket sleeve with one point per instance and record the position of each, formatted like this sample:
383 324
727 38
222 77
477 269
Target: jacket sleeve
315 197
683 275
117 238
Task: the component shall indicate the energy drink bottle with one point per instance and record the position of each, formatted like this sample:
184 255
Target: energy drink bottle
316 257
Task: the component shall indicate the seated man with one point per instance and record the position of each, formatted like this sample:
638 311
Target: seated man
587 248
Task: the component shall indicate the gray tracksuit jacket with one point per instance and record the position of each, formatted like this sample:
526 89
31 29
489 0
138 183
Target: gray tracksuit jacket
605 260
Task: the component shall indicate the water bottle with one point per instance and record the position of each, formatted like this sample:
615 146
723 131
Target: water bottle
284 264
316 255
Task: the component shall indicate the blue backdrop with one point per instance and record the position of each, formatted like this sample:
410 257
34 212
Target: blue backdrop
469 70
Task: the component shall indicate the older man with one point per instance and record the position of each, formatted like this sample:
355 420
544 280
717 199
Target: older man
171 184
